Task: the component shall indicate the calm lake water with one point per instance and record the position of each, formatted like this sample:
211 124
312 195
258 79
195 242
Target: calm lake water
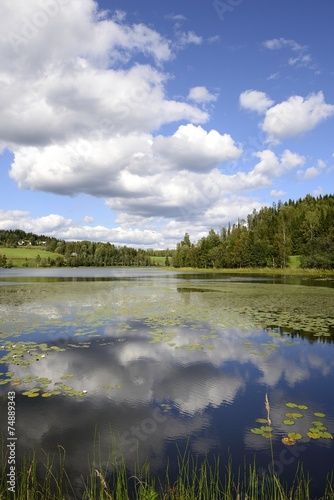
150 361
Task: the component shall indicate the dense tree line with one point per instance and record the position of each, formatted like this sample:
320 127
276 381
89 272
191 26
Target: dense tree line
268 238
74 253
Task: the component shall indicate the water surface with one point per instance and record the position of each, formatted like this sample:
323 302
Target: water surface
143 360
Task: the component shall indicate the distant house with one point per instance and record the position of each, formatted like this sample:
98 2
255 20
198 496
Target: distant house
23 243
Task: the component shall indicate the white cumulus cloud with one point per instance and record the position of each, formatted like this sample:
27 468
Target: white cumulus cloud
295 116
255 100
201 95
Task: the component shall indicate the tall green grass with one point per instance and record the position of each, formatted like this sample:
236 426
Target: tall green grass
195 480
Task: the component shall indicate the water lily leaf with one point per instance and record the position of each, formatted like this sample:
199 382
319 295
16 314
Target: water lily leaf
46 394
294 435
294 415
266 428
327 435
313 435
314 430
302 407
291 405
289 422
317 424
288 441
66 387
261 420
267 435
43 380
318 414
256 430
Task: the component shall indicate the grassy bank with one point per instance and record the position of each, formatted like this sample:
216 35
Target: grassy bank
288 271
194 481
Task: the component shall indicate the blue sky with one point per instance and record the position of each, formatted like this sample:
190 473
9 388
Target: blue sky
137 122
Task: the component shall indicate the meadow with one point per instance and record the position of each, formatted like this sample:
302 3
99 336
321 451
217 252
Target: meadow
26 256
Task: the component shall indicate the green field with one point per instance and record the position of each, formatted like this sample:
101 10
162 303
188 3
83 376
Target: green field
159 261
26 256
294 261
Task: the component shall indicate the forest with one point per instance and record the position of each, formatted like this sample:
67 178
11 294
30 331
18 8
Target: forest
70 253
268 238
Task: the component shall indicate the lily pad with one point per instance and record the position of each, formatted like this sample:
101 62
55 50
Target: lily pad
313 435
256 430
302 407
289 422
314 430
261 420
294 415
266 428
291 405
288 441
318 414
294 435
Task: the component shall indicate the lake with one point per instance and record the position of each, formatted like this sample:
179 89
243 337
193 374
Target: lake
152 363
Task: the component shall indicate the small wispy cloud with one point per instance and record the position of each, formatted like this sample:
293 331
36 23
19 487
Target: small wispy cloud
273 76
214 39
301 57
201 95
274 193
88 219
188 38
175 17
281 43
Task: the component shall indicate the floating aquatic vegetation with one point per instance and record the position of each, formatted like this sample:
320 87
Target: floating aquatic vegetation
288 422
264 430
317 431
294 435
256 430
313 435
294 415
288 441
32 393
